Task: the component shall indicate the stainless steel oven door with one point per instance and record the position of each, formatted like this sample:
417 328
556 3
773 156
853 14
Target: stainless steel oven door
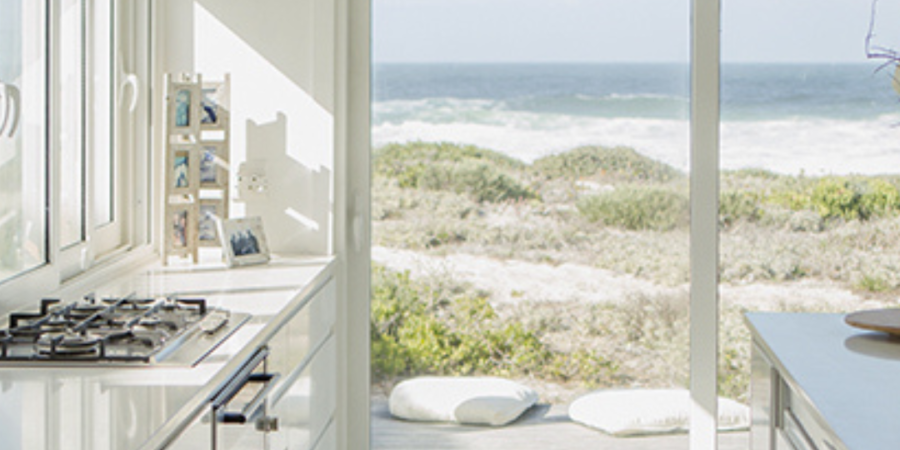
241 422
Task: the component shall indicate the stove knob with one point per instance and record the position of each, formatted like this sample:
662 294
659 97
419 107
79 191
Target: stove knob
267 424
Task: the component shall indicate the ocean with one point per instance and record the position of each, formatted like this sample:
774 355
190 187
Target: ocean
788 118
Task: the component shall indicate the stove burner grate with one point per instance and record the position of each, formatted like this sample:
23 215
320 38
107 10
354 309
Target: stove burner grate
127 329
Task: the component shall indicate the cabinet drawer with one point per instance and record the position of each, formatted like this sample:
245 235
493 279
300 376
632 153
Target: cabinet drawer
306 329
800 420
306 406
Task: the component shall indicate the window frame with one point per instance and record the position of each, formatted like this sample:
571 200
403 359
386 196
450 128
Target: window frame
354 197
103 248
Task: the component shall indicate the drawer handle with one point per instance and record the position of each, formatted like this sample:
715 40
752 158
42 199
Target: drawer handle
267 424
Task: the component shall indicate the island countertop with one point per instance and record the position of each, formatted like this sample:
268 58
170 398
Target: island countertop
850 376
96 408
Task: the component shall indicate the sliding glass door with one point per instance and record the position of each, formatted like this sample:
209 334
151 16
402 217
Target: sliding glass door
809 180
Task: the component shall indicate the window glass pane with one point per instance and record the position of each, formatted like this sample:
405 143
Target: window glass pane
22 148
531 206
99 67
809 152
71 123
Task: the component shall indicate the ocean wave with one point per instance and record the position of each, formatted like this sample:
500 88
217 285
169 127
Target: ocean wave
812 146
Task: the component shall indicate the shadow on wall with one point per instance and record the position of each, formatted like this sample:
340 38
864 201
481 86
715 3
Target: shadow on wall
295 36
295 207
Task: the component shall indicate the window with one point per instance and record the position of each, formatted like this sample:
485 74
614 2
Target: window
74 114
23 119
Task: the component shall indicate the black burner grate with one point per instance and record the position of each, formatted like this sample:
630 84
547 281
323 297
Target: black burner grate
127 329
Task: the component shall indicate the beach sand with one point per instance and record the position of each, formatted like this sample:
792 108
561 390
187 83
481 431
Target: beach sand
514 280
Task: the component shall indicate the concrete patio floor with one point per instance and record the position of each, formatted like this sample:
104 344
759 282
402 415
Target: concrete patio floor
543 427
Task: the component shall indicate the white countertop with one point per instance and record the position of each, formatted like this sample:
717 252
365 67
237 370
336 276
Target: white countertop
96 408
851 376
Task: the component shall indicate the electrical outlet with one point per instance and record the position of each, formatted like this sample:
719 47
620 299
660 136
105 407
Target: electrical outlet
252 181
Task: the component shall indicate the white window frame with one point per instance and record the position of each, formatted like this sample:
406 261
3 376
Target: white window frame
127 242
704 246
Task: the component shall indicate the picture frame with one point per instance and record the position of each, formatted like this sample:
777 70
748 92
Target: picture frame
181 169
214 104
208 217
243 241
179 228
213 168
183 105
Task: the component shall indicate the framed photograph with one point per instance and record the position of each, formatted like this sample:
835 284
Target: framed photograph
183 104
213 164
243 241
210 214
181 169
214 105
178 227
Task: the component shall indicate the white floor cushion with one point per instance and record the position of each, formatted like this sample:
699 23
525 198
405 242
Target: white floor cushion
468 400
649 411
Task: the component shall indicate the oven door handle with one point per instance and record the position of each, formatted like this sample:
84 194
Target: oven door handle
251 410
240 379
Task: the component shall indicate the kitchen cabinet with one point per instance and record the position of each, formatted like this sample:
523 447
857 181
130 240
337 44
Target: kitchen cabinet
299 395
819 384
99 407
304 402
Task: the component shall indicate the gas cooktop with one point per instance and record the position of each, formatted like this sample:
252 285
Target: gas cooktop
127 331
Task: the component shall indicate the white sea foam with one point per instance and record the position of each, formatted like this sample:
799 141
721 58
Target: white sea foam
813 146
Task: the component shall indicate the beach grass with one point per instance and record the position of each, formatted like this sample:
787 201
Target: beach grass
616 210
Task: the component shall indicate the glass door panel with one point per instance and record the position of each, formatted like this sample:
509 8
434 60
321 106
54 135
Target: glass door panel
531 203
809 176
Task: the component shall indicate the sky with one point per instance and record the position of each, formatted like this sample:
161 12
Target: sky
585 31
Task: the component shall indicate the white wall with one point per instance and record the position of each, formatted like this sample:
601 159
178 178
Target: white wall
280 56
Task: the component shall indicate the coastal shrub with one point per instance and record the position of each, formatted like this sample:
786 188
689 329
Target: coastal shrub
417 329
484 175
485 183
407 162
838 198
618 162
638 208
880 198
737 205
842 197
873 283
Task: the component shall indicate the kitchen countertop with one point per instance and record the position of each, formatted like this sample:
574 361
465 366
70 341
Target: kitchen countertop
849 375
96 408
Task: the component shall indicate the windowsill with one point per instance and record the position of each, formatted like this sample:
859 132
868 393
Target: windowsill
22 292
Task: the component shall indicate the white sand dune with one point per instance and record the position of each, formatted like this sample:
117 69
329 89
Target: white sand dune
515 280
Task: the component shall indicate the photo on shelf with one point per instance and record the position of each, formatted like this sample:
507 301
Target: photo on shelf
179 228
181 169
210 162
213 104
183 108
243 241
210 108
209 214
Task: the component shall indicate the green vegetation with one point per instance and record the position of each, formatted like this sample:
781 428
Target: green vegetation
619 163
616 210
446 329
844 198
485 175
638 208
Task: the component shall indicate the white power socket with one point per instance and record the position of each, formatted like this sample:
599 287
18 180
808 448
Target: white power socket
252 181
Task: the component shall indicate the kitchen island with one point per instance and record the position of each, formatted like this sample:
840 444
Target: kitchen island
819 384
86 406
